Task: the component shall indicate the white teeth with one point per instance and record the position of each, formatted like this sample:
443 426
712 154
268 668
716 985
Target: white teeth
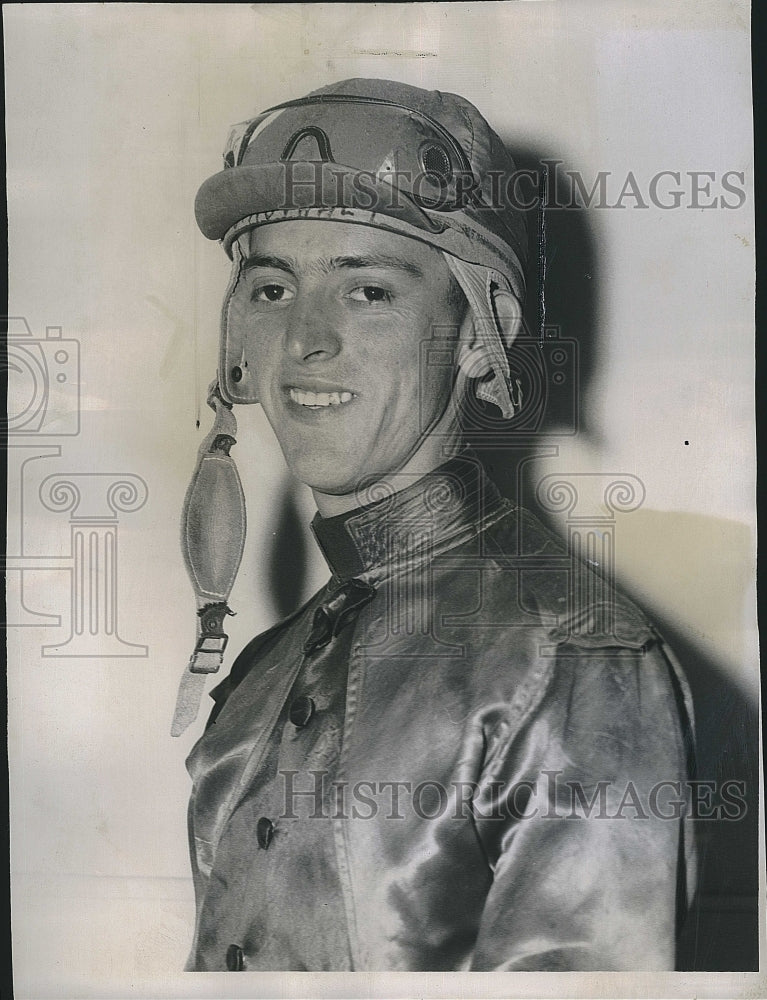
317 399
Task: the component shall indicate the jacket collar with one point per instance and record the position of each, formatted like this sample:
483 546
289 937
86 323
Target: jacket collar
403 529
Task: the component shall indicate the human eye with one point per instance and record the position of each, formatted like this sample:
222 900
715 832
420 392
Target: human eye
370 294
271 292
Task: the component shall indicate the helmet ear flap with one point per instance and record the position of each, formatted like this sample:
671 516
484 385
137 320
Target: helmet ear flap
496 316
237 378
474 360
507 310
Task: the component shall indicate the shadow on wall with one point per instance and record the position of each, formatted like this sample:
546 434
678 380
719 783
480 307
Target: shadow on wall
721 931
287 569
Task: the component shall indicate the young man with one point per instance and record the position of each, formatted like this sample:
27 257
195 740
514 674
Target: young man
465 752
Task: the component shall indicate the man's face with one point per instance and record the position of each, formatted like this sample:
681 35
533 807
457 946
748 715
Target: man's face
334 317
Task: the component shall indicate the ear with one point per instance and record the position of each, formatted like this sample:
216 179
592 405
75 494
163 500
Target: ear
475 358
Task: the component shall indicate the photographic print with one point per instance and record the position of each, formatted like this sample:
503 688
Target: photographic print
381 500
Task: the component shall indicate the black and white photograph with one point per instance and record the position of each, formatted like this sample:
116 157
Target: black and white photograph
381 533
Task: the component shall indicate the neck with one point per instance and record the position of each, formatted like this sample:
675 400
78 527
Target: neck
387 535
433 451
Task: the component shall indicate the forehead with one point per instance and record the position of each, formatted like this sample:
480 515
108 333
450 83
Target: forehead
308 241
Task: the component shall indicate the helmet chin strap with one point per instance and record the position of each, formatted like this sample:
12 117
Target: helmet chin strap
212 540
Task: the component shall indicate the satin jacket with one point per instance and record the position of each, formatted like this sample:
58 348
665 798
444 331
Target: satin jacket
465 752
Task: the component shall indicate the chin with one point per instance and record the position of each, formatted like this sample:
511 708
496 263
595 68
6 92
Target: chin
326 474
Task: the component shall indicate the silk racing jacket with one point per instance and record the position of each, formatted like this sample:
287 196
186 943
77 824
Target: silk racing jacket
467 751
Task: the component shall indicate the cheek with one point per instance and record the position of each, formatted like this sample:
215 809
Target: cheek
435 364
259 361
419 384
435 391
262 355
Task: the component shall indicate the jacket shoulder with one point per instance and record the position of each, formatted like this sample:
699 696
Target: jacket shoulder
577 601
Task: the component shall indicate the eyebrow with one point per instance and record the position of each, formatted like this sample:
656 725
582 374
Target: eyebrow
378 260
290 265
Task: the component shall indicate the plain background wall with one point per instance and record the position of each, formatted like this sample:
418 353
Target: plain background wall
115 115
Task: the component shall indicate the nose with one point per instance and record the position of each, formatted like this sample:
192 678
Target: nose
312 335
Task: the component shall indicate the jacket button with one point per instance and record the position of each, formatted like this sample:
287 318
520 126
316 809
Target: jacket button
235 961
264 832
301 710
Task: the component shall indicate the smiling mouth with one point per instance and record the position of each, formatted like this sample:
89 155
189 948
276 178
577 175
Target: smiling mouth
320 400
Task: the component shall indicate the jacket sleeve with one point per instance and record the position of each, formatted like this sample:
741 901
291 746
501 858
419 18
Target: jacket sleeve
581 811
